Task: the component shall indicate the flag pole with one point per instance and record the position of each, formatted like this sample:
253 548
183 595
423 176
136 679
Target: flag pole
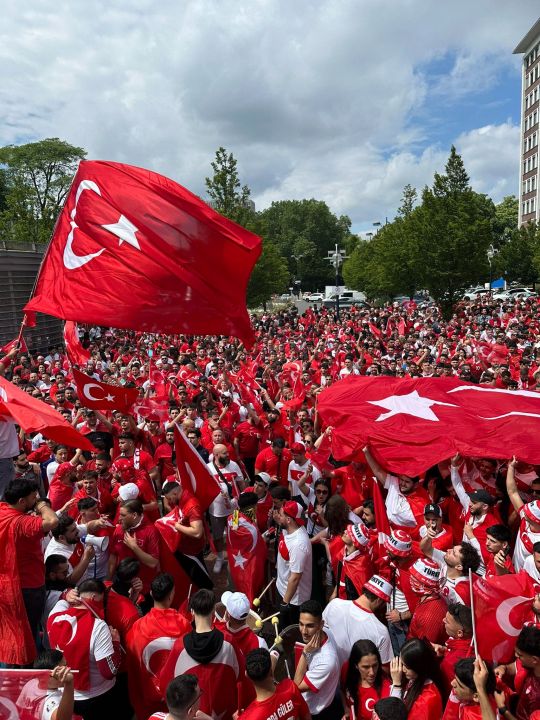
472 614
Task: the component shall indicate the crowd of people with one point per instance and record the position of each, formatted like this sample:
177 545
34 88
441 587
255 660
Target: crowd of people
132 625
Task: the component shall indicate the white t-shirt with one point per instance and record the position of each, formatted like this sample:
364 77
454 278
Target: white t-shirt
101 646
520 551
531 569
296 471
397 506
232 474
299 548
322 677
346 623
51 704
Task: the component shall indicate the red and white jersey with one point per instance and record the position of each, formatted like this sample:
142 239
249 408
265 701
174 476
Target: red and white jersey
296 471
232 475
286 703
294 556
322 677
524 542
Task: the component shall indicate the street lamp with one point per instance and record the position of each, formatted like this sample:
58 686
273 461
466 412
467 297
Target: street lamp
491 252
369 235
298 258
336 257
377 225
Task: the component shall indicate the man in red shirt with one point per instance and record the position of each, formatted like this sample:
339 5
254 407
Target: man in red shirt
459 643
135 537
90 489
186 514
275 460
163 456
24 521
264 500
246 440
283 700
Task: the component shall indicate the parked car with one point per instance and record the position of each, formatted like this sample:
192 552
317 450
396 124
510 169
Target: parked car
515 293
475 293
285 297
346 299
314 297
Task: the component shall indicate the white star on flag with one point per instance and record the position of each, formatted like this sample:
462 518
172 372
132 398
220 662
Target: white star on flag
125 231
411 404
239 560
109 398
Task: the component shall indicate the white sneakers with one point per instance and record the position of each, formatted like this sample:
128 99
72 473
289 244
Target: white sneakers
218 565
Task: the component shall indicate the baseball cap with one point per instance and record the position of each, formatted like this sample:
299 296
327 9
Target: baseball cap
359 535
379 587
298 448
294 510
153 417
426 571
129 491
263 477
399 543
433 509
482 496
532 511
236 603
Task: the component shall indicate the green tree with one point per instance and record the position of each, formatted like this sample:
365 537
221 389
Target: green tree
270 275
452 230
306 229
505 221
226 194
36 179
408 201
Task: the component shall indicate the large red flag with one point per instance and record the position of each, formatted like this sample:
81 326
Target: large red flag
411 424
194 475
502 603
12 343
149 642
133 249
246 551
33 415
77 355
101 396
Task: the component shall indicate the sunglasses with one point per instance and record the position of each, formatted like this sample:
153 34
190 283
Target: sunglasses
321 492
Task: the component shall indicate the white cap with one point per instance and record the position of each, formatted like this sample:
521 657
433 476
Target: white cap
237 604
265 477
129 491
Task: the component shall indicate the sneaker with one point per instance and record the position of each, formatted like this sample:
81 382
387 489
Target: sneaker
218 565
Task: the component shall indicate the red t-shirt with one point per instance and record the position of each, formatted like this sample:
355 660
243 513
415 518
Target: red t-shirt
286 703
276 466
163 459
147 539
189 510
249 437
30 554
367 697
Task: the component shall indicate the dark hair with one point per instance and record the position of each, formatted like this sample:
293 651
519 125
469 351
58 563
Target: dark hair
134 506
369 504
464 671
91 586
53 561
91 475
536 547
181 692
86 503
277 442
528 640
162 586
462 613
500 532
369 595
312 607
418 655
47 660
470 558
202 602
280 493
103 456
126 436
258 664
18 489
391 708
65 521
360 649
127 569
336 513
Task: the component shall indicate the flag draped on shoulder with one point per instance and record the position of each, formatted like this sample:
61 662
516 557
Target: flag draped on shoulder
246 552
34 415
412 424
135 250
102 396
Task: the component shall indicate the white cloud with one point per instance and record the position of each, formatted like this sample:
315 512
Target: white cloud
316 99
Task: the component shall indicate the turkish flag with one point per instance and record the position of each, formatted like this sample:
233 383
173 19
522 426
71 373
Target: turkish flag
133 249
149 642
246 552
101 396
412 424
77 355
502 603
12 343
33 415
194 475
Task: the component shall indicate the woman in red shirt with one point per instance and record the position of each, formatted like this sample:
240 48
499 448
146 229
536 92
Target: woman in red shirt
417 679
364 680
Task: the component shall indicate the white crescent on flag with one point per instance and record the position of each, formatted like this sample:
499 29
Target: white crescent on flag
71 620
87 394
161 643
502 614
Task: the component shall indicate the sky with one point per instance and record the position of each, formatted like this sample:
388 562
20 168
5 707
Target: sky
344 101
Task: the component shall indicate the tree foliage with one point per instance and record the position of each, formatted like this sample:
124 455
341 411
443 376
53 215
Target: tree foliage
35 180
270 275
